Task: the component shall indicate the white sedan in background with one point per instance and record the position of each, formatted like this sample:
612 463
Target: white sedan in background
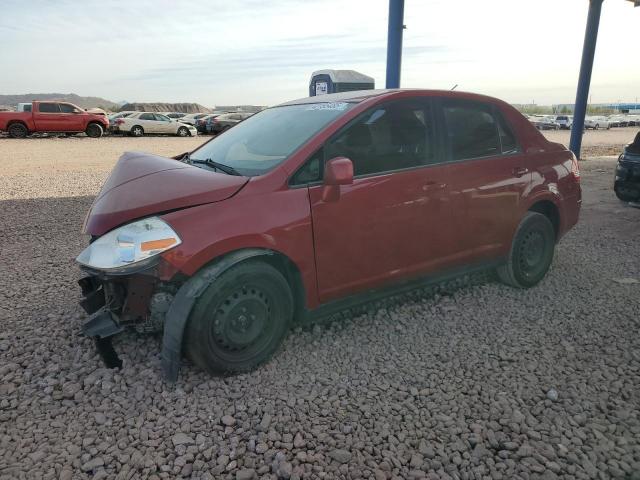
596 123
139 123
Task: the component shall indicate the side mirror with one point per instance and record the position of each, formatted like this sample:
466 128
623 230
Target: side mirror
337 172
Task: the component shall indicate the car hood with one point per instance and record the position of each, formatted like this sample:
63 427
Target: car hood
142 184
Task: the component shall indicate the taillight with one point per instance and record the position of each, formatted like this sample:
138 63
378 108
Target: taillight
119 121
575 168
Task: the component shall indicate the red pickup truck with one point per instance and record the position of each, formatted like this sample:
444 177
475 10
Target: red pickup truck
53 117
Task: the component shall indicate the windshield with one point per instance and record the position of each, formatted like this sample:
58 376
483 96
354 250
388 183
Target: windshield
263 141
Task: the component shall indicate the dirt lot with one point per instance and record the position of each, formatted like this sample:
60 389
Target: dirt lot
485 383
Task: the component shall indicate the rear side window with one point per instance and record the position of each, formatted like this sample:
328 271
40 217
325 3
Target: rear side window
50 107
147 116
507 138
472 130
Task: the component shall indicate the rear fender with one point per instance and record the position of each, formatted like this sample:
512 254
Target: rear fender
191 290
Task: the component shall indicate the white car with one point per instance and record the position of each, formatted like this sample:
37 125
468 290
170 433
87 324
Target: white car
596 123
192 118
565 121
139 123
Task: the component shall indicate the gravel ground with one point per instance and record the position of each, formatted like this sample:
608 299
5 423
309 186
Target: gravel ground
485 383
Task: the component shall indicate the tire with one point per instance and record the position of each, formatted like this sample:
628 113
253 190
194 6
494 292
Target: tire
137 131
184 132
17 130
531 252
240 319
94 130
626 194
597 126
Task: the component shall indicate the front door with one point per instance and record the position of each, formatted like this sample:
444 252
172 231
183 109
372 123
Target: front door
164 124
73 117
393 222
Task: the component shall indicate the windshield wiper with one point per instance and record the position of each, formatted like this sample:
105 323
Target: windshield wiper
216 166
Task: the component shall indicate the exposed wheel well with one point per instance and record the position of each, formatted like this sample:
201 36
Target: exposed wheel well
292 274
549 210
13 122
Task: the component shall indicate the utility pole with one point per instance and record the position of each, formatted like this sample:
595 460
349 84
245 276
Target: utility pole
394 43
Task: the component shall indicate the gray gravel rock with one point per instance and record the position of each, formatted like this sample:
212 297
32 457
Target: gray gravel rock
446 383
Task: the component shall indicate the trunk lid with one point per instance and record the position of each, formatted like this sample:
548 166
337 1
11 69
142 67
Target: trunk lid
142 184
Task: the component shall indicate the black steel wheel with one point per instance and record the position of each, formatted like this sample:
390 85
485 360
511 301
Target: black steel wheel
94 130
531 252
17 130
240 319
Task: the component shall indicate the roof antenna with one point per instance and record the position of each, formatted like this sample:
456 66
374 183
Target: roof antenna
454 87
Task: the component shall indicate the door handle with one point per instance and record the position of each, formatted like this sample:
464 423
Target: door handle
519 171
434 186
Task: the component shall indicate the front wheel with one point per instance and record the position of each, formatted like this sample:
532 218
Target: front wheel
183 132
94 130
531 252
597 126
240 319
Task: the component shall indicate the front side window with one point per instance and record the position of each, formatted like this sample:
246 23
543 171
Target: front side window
388 137
263 141
50 108
162 118
472 130
66 108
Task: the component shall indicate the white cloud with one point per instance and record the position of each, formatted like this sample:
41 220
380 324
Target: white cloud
251 51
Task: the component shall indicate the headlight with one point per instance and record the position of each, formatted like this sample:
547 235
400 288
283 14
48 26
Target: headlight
129 245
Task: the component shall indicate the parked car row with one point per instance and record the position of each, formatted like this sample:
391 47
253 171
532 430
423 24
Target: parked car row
594 122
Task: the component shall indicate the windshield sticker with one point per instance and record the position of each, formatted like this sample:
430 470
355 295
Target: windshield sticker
328 106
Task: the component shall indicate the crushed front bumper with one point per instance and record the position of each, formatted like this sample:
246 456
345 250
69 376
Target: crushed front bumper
114 303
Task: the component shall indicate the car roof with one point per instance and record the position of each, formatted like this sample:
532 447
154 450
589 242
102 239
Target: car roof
357 96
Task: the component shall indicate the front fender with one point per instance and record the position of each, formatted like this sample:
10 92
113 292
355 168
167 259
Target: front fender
183 302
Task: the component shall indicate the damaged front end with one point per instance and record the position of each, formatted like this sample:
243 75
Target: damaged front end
114 303
127 283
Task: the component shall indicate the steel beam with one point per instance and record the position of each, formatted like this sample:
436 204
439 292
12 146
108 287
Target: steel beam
586 67
394 43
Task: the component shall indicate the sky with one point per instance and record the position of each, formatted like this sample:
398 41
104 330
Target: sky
222 52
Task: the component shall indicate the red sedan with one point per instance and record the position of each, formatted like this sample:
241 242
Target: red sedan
315 205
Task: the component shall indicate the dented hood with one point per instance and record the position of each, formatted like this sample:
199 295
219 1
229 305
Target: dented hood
142 184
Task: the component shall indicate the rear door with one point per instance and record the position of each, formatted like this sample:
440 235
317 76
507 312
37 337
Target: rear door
393 222
148 122
48 117
487 179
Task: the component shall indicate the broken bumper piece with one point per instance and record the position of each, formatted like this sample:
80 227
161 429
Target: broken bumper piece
102 326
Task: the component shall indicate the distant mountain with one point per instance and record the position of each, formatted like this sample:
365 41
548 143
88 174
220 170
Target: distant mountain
84 102
164 107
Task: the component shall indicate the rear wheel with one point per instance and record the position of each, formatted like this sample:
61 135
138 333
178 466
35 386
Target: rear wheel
94 130
240 319
137 131
17 130
183 132
531 252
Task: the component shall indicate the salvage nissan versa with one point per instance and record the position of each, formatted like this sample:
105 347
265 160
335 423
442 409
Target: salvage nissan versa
315 205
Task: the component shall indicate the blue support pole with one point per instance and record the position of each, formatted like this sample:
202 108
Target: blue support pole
394 42
586 67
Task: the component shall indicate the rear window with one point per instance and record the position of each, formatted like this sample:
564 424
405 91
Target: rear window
50 107
472 130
